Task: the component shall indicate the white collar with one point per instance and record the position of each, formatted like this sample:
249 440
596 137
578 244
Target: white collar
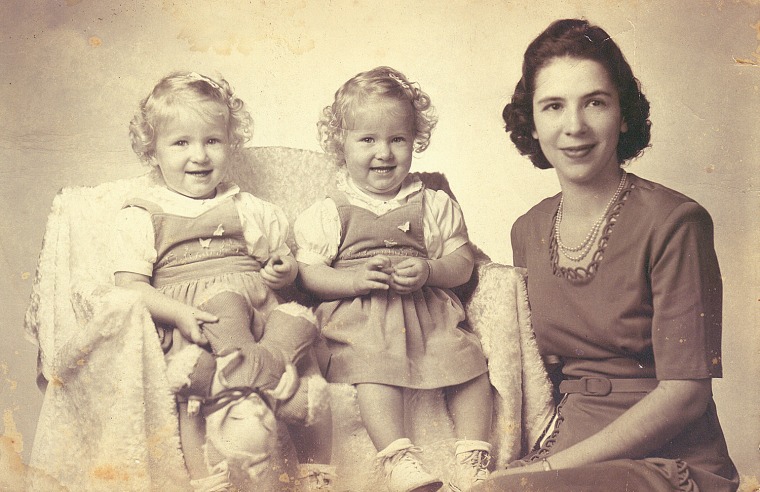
410 185
161 194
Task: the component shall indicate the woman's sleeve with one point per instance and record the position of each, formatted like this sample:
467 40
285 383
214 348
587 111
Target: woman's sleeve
265 227
133 247
443 222
317 233
517 236
687 294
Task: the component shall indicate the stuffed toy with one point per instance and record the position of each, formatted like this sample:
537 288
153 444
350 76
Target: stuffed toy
243 388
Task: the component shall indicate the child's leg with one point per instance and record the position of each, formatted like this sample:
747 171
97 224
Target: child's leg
382 410
470 406
192 433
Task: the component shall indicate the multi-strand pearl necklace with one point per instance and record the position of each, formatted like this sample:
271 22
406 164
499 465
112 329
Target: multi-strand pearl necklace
579 252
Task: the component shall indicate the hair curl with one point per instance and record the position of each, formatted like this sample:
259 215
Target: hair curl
380 81
577 38
187 89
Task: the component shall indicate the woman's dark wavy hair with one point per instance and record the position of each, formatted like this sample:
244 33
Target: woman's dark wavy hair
577 38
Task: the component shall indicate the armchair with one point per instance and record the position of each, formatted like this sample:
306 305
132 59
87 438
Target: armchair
108 420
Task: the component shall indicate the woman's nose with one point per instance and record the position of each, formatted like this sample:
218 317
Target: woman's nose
574 121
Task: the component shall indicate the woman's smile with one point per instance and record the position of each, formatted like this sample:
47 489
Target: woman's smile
577 151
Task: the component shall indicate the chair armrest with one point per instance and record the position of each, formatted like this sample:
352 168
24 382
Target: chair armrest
105 315
498 312
498 306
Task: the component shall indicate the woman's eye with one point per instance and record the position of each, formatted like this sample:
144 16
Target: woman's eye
553 107
596 103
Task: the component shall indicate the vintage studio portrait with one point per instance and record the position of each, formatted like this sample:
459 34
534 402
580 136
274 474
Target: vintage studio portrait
365 246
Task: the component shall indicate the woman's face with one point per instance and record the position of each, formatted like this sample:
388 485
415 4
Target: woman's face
577 118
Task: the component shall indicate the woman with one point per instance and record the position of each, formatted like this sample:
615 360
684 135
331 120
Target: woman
624 285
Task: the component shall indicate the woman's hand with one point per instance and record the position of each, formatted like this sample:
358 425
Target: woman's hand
410 275
521 466
646 426
279 271
374 275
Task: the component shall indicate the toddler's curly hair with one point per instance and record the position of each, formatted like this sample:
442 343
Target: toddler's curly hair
380 81
188 89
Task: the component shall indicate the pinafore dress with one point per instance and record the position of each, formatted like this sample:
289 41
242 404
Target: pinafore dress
417 340
200 257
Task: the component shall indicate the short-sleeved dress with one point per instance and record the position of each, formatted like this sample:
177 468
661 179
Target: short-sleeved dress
417 340
195 249
650 309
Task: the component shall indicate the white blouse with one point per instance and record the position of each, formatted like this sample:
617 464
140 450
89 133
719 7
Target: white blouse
265 226
318 229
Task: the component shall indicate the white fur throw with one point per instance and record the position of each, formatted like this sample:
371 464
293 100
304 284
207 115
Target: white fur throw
108 420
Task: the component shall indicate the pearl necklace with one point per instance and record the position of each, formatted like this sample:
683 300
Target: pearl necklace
577 253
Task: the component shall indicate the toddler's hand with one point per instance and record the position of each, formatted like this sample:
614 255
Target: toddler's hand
277 273
189 324
410 275
375 274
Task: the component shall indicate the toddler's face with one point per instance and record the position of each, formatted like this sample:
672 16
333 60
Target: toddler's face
193 151
378 146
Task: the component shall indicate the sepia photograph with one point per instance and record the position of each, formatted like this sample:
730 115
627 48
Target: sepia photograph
362 245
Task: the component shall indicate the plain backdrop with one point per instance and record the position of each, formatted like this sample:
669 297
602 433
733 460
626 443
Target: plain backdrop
72 73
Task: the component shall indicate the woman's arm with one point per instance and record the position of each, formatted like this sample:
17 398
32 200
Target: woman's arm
166 310
645 427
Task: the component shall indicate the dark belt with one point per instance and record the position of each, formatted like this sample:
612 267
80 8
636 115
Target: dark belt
592 386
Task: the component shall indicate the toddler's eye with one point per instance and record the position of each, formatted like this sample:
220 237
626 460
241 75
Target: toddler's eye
214 141
181 143
367 140
399 139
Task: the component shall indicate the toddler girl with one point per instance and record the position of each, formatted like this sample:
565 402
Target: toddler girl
206 258
382 253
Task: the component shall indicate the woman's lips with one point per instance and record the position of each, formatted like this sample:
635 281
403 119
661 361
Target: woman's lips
577 151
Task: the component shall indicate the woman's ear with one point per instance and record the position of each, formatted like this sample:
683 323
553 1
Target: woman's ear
623 126
534 134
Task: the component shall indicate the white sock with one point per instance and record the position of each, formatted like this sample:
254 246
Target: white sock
467 445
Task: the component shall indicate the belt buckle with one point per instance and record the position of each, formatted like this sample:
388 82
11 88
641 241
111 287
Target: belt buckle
596 386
